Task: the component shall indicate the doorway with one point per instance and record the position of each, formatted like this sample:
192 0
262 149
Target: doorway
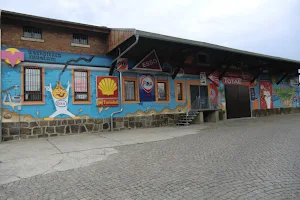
199 97
237 101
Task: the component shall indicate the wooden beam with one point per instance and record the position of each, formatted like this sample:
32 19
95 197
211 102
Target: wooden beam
281 79
177 70
257 75
223 72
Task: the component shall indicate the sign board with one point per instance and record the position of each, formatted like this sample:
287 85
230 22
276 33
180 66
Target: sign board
214 77
149 62
252 94
213 93
265 91
107 91
12 56
122 64
146 88
232 81
202 78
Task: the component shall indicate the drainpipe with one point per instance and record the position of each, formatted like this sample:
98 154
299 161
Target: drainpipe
119 111
116 59
0 79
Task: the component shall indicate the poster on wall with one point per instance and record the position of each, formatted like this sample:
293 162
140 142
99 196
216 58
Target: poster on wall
265 88
252 94
214 96
147 88
202 78
107 91
122 64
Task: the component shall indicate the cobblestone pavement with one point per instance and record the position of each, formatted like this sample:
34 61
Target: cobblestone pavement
255 158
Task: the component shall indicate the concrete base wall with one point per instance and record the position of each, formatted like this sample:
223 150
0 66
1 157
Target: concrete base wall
43 128
274 111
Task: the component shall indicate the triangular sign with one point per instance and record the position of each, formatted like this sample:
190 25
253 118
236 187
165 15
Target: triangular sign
149 62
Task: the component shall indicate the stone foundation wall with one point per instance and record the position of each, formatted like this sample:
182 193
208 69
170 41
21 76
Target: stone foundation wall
42 128
274 111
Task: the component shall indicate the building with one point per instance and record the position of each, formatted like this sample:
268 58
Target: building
61 77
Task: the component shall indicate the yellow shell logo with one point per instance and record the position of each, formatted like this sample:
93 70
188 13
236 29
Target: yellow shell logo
107 86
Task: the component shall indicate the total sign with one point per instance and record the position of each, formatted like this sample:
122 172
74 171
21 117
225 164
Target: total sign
149 62
232 81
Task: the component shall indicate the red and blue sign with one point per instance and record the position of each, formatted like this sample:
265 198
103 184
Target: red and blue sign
147 88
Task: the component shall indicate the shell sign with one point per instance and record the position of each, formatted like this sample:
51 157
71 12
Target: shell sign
107 91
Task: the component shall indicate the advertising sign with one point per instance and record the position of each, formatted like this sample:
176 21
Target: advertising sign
149 62
107 91
12 56
202 78
232 81
252 94
214 77
265 90
122 64
213 93
147 88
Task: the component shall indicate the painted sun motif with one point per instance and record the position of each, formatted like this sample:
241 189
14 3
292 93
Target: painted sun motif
59 92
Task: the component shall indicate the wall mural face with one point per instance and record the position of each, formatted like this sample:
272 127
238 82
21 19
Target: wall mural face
60 98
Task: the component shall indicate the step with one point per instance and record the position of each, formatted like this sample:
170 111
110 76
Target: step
182 124
185 120
187 117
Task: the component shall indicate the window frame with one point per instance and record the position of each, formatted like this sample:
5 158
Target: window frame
137 95
182 91
23 102
80 35
30 27
74 101
166 81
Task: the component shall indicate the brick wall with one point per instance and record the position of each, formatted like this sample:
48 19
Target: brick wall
55 39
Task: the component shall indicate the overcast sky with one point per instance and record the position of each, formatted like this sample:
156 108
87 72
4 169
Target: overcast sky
264 26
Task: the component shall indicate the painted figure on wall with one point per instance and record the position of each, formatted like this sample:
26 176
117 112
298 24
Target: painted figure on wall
60 97
265 95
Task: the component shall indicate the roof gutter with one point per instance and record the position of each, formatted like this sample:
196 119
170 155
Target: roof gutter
112 67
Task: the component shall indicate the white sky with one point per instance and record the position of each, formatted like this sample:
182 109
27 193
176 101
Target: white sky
264 26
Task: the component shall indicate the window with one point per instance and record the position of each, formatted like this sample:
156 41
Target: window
30 32
162 91
80 39
202 58
33 84
130 90
179 91
81 84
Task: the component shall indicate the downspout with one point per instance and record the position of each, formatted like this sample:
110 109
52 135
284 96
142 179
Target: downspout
0 77
121 89
119 111
115 60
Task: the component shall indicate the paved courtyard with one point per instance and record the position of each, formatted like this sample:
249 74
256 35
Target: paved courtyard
256 158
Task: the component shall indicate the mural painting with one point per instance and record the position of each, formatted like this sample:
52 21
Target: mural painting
60 98
266 101
286 94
